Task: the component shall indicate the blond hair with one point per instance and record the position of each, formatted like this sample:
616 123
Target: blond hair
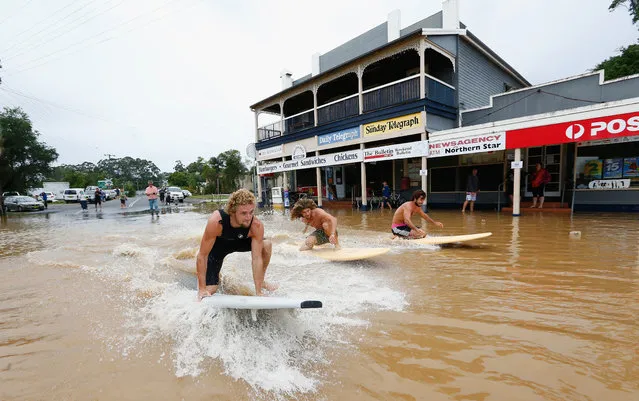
300 205
239 198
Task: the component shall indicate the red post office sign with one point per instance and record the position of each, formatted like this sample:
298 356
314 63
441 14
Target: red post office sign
575 131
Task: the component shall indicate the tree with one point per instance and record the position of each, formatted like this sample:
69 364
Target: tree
24 160
234 169
622 65
631 5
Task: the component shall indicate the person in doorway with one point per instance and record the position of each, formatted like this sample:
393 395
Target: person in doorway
44 197
386 195
233 229
472 187
402 226
97 199
540 178
325 225
151 193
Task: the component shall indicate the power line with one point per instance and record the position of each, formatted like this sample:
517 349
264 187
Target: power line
16 11
501 108
67 31
571 98
49 25
26 67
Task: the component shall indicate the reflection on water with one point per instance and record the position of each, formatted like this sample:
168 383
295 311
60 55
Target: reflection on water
105 304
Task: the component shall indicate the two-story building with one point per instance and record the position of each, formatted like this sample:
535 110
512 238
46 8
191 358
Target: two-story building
364 114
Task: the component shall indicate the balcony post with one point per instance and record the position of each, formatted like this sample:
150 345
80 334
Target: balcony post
315 88
282 118
284 180
422 69
360 89
257 133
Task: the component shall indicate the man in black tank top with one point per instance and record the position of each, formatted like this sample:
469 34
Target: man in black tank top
234 229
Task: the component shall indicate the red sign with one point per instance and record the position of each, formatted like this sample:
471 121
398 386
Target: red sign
584 130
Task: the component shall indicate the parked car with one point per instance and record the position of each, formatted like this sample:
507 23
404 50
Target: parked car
50 196
175 193
73 195
187 193
10 193
22 203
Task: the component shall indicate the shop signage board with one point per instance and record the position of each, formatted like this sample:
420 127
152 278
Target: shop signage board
399 151
472 144
339 136
609 184
272 151
608 127
393 125
350 156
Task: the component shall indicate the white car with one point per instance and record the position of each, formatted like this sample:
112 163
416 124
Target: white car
187 193
73 195
175 193
50 197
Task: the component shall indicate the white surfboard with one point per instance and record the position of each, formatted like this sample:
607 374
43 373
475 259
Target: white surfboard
347 254
249 302
450 239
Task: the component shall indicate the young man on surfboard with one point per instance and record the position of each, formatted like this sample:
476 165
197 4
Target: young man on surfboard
325 225
233 229
402 225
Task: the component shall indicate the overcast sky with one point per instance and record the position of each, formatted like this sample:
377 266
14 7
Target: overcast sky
169 80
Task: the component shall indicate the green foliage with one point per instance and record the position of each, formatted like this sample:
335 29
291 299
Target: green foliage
129 189
622 65
179 179
24 160
631 5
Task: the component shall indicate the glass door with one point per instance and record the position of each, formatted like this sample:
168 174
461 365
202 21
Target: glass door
550 159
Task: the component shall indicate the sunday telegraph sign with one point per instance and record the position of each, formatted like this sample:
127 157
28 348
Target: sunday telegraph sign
393 125
399 151
474 144
351 156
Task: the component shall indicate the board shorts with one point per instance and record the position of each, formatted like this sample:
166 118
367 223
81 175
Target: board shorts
471 196
321 236
401 231
538 191
217 255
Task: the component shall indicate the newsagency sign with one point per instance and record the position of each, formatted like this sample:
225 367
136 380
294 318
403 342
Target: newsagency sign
399 151
351 156
473 144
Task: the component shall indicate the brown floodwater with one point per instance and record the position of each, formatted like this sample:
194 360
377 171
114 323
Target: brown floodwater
104 309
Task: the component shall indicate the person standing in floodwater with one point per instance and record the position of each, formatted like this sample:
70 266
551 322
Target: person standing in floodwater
540 178
386 195
152 195
97 198
472 187
402 226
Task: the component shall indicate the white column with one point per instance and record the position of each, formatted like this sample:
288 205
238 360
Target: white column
318 177
315 104
259 187
424 167
282 118
360 88
284 180
422 69
363 168
257 135
517 185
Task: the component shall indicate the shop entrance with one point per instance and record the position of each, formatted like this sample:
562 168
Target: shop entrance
550 158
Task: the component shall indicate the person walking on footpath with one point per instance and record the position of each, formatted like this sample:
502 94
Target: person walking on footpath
43 195
97 198
472 187
152 195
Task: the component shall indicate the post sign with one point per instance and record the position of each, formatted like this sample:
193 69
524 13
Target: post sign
519 164
592 129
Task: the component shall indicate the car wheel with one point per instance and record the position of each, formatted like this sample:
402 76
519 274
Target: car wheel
19 208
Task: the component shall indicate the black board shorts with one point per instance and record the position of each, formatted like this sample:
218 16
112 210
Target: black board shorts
538 191
402 231
221 248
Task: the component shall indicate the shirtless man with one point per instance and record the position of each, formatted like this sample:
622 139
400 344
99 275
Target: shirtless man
402 225
233 229
325 225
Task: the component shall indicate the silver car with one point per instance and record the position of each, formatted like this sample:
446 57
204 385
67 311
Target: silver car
22 203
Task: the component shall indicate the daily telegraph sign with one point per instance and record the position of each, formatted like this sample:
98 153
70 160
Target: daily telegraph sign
351 156
339 136
399 151
474 144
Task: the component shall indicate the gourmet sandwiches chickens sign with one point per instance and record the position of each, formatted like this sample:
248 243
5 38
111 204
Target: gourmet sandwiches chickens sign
575 131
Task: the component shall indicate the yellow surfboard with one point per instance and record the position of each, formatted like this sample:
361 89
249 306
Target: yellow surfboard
347 254
450 239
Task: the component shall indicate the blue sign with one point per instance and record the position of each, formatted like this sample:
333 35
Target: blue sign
339 136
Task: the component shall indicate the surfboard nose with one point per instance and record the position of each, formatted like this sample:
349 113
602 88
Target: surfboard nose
311 304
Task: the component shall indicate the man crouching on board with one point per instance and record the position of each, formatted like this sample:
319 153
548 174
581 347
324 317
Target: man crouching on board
234 229
325 225
402 225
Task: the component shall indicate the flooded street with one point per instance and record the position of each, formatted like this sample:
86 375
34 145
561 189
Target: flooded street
104 309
